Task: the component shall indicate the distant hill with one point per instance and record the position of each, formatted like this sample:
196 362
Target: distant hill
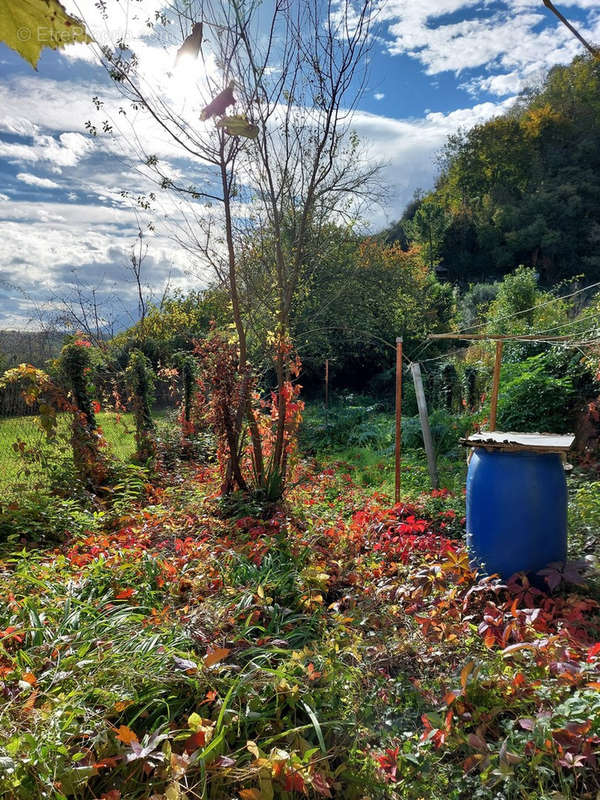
523 188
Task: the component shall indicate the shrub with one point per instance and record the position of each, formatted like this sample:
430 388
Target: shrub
40 517
532 399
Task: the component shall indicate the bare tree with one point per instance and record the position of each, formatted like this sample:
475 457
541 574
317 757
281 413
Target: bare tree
276 135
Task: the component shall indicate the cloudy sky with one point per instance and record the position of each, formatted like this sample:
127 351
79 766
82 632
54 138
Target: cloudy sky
66 227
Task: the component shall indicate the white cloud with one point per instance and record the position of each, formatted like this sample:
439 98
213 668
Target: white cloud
65 151
379 95
408 148
34 180
519 39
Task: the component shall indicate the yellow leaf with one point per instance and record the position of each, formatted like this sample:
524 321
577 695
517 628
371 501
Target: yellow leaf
195 722
238 125
261 592
252 747
126 735
28 26
215 656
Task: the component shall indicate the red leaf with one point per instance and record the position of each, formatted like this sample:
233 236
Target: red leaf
195 741
217 107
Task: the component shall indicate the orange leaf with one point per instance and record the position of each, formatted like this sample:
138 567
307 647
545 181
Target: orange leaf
250 794
126 735
465 672
30 678
215 656
593 685
125 594
30 702
107 763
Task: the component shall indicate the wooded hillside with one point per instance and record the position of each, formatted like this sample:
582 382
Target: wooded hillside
523 188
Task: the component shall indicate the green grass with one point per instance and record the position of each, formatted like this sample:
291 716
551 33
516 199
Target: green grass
118 431
360 438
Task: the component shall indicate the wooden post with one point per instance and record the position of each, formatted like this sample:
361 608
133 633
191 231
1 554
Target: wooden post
427 440
496 385
326 393
398 417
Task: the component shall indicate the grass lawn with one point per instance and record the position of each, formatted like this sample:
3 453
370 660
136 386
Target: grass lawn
118 431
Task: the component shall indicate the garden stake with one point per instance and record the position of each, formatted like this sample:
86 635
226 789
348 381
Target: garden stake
496 386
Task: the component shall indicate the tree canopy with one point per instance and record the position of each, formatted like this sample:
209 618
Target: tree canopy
523 188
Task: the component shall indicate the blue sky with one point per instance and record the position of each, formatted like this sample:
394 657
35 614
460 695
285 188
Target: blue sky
66 229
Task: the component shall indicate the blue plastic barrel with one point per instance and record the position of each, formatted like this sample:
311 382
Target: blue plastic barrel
516 510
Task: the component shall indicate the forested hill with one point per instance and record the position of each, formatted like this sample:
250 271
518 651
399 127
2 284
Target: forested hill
523 188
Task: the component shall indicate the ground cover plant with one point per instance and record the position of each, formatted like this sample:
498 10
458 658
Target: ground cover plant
339 647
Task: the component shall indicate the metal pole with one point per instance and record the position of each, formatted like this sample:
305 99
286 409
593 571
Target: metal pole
398 417
427 440
496 385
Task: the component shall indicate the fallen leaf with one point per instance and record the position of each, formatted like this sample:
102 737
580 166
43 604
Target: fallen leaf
126 735
196 741
125 594
252 747
514 648
30 702
465 672
186 665
250 794
215 656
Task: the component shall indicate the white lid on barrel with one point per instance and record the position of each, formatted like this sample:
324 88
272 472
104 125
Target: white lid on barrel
511 441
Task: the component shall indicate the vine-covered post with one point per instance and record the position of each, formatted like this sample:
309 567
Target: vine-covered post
140 382
188 374
86 438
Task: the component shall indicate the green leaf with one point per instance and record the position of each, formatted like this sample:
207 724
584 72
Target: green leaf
28 26
238 125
